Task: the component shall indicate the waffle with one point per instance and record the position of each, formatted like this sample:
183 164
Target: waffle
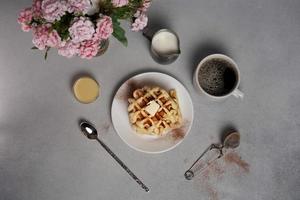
167 115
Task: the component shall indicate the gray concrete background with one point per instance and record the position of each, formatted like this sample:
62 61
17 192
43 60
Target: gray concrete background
44 156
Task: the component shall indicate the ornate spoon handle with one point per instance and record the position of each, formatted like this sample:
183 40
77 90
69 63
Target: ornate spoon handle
123 166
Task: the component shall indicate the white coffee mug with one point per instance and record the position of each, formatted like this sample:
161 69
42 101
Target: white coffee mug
234 91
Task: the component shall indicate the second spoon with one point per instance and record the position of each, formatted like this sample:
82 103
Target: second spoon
91 133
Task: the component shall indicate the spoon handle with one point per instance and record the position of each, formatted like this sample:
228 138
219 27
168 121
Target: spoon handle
124 166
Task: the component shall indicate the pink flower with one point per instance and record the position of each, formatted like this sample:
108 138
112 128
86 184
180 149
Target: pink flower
144 8
137 13
79 6
81 29
68 49
140 22
119 3
43 37
25 18
89 48
53 9
25 27
53 39
104 28
40 36
37 8
146 5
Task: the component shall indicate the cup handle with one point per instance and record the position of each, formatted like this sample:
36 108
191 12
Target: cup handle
238 93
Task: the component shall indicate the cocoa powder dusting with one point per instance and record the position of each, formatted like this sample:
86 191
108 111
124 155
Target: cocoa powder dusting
234 158
178 133
213 193
206 175
214 173
218 170
105 127
206 179
127 91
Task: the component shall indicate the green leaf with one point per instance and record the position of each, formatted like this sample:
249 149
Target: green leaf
124 12
62 26
119 32
34 48
127 12
36 21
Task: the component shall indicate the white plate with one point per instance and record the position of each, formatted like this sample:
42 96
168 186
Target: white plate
144 143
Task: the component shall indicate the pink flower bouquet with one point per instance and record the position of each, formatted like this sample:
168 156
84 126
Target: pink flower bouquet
69 26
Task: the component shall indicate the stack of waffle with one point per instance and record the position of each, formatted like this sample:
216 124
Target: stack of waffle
154 111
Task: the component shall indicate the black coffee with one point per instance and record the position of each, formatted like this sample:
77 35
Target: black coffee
217 77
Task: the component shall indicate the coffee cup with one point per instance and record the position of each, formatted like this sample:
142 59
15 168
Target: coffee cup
218 77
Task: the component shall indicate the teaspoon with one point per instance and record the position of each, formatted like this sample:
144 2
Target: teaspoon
91 133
